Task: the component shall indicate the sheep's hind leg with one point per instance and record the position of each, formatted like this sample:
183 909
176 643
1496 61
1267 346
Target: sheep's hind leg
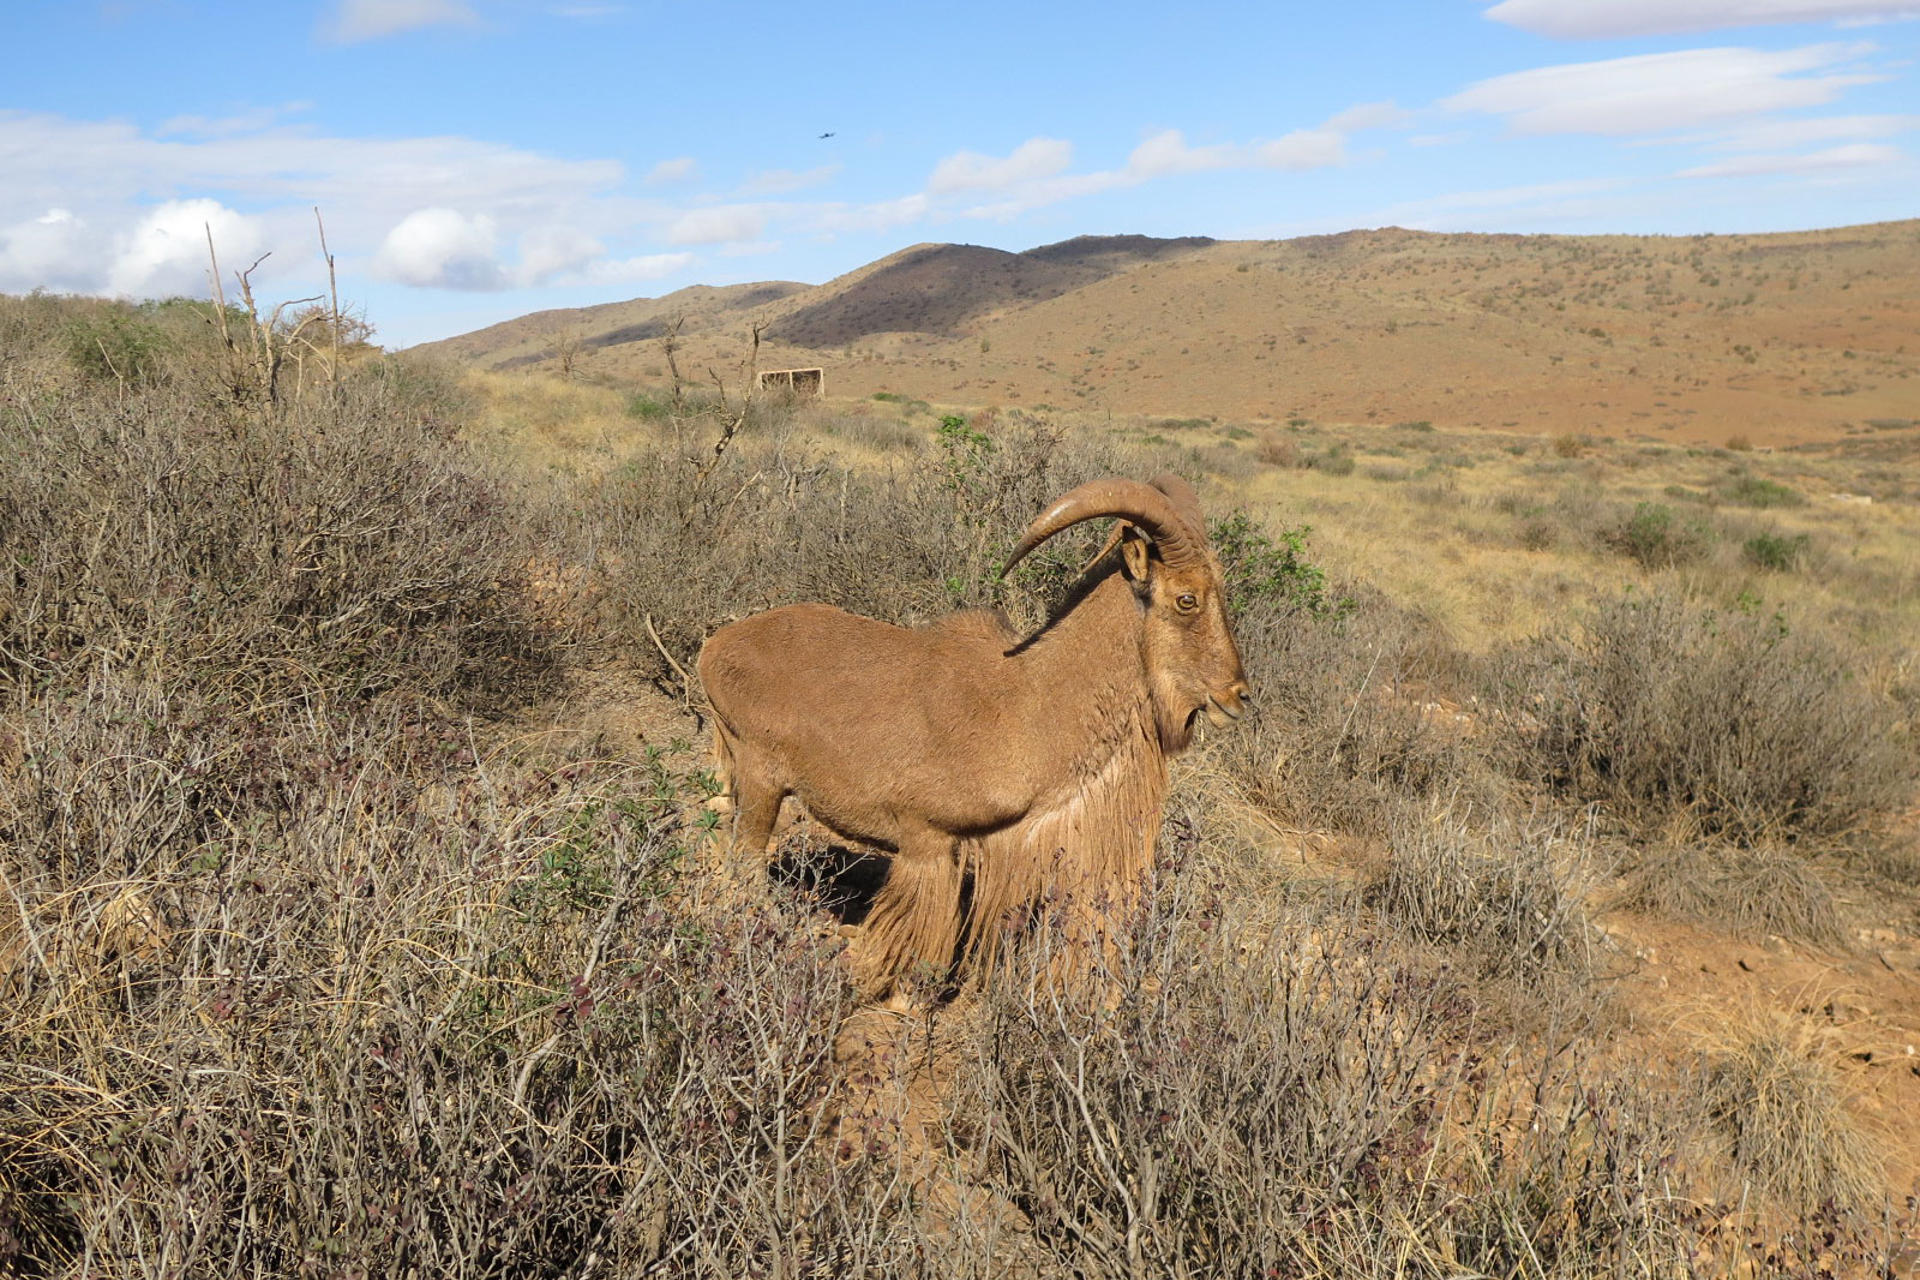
913 926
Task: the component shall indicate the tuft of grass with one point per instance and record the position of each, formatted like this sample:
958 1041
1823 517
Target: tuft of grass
1773 1093
1767 889
1515 893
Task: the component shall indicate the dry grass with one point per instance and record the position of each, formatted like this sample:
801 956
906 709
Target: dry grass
1767 889
1773 1093
1514 890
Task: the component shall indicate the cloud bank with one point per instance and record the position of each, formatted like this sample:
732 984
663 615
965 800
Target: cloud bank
1594 19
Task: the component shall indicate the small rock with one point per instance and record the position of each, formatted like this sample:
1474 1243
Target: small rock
1901 961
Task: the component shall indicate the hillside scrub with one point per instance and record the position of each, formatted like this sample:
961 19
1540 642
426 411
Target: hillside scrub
350 544
1737 724
770 525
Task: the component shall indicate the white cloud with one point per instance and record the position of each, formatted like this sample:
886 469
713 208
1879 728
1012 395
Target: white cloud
717 225
1370 115
1856 155
166 252
357 20
1660 92
881 215
1033 176
52 251
99 173
47 158
252 120
550 251
1033 159
1769 135
1438 139
781 181
1167 152
1574 19
618 271
1303 149
678 169
1528 205
443 249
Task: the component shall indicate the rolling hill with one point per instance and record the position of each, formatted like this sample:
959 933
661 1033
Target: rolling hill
1776 338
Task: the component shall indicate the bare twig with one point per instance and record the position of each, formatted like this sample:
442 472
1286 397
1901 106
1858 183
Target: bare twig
333 294
686 681
669 344
730 427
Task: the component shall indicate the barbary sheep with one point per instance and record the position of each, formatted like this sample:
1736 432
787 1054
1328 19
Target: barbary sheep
1000 771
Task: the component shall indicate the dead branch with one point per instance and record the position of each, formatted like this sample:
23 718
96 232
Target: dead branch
333 293
731 424
669 344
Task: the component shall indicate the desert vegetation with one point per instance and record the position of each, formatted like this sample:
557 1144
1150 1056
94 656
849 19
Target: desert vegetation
363 915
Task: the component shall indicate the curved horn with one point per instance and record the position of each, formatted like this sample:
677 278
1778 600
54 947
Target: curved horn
1184 499
1149 507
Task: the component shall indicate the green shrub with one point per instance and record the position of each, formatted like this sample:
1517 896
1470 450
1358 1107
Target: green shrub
1779 552
118 346
1336 461
1655 539
1749 490
1268 571
647 407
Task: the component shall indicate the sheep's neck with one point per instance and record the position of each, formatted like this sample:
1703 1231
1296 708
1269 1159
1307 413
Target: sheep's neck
1087 681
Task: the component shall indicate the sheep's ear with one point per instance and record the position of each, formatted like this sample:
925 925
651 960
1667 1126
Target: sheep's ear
1133 555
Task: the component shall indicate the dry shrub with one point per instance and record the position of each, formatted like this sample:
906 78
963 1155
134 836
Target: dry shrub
767 527
1781 1108
350 546
1292 1098
1735 724
1341 735
411 1014
1277 450
1767 889
1512 891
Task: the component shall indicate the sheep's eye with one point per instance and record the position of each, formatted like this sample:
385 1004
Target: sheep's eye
1187 603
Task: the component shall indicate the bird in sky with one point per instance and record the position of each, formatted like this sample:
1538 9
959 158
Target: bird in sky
826 135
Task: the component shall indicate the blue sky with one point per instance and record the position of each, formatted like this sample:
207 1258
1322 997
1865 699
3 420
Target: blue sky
479 159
